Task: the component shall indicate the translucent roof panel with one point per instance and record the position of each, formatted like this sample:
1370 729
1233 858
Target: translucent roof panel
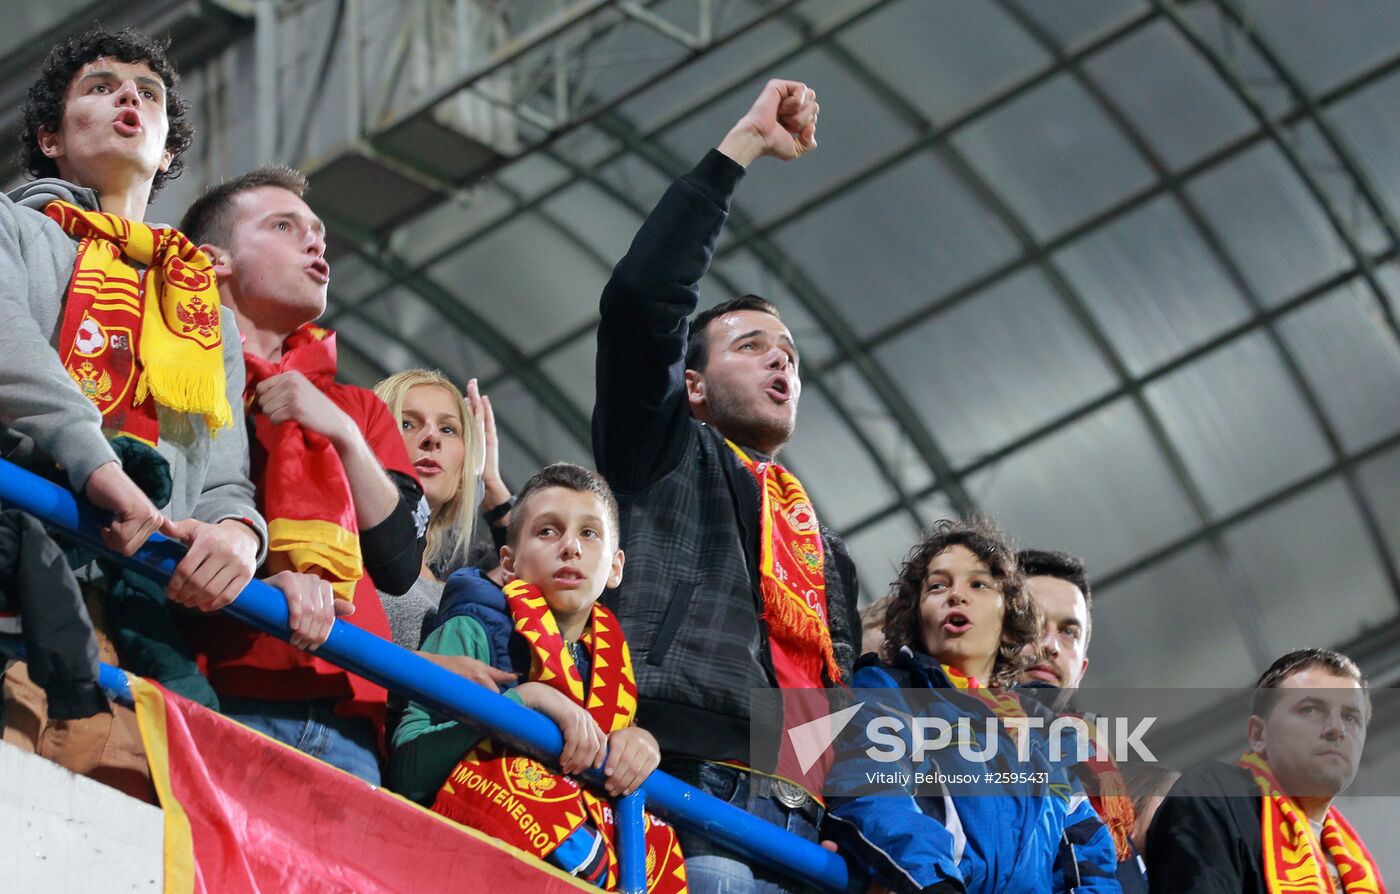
1324 43
969 51
1170 94
1224 42
1360 225
698 82
1153 285
1316 582
1273 229
1075 22
1352 360
401 316
502 278
882 434
824 450
777 188
1171 622
1372 134
1381 479
1014 346
1054 156
882 252
531 424
1099 488
878 551
1241 426
596 219
573 367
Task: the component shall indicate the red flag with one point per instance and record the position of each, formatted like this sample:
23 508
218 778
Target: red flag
246 813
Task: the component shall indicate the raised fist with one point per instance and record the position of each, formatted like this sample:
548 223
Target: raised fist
782 122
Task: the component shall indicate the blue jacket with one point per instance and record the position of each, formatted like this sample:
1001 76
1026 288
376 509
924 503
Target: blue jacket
1042 837
469 592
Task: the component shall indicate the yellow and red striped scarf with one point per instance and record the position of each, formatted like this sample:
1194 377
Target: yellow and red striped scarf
131 342
524 803
792 571
1293 862
302 485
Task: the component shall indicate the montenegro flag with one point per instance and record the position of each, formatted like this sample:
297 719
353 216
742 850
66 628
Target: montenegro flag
245 813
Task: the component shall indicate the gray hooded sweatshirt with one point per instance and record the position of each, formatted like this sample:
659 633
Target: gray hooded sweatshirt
42 412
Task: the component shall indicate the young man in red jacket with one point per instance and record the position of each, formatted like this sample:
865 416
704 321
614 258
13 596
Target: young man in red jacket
346 514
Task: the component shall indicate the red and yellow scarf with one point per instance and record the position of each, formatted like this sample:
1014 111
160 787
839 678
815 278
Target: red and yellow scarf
1292 862
1002 702
792 570
303 487
1113 802
521 801
132 342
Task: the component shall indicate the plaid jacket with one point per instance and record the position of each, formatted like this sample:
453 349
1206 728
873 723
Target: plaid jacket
689 600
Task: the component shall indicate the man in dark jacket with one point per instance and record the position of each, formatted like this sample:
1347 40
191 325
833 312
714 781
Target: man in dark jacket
1247 828
732 585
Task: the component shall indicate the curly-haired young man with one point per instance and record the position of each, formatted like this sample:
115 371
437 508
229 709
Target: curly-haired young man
113 338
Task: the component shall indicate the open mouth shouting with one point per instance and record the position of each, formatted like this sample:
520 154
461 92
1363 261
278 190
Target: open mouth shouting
778 389
319 270
956 623
127 123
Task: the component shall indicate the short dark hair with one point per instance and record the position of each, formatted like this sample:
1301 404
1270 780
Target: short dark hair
697 349
1063 566
1266 694
210 219
569 477
44 105
1021 624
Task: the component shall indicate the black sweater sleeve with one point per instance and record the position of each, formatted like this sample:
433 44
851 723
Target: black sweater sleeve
393 549
638 420
1205 838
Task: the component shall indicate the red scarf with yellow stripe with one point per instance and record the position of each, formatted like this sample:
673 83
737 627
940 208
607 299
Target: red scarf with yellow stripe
521 801
130 341
792 570
305 492
1293 861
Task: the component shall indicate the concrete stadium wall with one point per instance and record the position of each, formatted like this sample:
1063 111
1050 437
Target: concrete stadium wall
60 832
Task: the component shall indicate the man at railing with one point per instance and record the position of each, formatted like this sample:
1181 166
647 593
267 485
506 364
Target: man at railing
144 359
732 585
344 508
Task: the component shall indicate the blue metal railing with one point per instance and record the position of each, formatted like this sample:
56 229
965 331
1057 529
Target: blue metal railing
376 659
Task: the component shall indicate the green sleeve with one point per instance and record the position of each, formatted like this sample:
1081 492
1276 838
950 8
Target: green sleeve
426 744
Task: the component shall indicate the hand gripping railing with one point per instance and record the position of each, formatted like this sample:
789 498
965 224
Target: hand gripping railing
392 667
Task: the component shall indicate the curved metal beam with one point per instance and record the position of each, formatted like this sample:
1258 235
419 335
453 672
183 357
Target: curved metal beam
467 321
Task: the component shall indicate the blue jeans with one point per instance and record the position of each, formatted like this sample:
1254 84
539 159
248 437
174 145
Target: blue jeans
712 869
312 726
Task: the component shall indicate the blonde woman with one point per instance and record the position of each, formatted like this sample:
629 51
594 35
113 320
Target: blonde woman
451 441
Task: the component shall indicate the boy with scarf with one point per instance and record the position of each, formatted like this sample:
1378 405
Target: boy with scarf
562 553
117 364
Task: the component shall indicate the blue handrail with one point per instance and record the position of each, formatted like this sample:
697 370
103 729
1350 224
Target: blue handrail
385 663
